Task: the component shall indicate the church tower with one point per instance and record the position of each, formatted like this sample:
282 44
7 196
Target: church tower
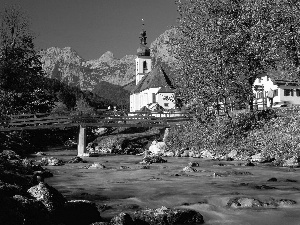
143 61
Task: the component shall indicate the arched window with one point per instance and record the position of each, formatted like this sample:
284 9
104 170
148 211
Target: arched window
145 67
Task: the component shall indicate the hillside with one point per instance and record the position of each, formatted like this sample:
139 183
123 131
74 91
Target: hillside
113 93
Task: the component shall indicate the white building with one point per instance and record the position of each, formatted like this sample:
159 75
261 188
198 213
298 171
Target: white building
285 91
152 85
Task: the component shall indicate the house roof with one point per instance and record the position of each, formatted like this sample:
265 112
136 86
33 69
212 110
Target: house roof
286 82
154 79
281 77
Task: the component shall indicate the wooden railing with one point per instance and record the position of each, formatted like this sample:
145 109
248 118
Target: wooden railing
48 121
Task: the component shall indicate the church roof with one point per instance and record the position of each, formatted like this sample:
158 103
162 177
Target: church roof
154 79
166 89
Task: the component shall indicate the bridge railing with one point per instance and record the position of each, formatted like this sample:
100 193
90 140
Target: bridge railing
47 120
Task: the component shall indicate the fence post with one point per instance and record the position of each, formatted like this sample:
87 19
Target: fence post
81 147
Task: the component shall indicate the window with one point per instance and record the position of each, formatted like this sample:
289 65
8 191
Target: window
288 92
153 97
145 67
259 94
275 92
298 92
166 104
268 78
259 80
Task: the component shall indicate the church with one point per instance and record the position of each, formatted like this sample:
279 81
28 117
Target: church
153 88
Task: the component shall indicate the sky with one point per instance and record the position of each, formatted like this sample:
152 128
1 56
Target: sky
92 27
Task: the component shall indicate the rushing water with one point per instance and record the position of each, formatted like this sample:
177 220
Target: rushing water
167 185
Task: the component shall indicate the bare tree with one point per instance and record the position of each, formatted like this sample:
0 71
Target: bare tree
14 28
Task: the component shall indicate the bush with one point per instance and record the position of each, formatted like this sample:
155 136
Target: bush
222 134
82 108
60 108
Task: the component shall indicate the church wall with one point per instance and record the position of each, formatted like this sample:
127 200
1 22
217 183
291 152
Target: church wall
138 100
166 100
131 102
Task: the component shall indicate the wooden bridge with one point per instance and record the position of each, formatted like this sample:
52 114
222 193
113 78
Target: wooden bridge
50 121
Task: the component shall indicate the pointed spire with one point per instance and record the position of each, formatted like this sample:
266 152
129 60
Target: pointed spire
143 50
143 36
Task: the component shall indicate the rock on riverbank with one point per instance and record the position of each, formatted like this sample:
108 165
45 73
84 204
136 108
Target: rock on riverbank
26 200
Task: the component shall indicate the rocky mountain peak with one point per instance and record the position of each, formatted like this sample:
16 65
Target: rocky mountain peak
161 48
107 57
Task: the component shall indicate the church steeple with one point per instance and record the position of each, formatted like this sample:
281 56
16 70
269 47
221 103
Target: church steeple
143 60
143 50
143 36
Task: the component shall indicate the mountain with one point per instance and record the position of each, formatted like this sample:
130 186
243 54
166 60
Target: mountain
161 49
66 65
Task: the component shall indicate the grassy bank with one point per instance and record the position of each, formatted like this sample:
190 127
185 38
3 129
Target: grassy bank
274 133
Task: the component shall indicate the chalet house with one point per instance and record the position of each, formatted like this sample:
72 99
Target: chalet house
153 87
287 91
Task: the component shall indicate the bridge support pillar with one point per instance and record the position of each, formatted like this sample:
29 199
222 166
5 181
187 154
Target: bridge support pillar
81 148
166 134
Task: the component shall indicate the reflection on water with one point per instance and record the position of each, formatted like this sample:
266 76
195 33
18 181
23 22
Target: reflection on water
166 185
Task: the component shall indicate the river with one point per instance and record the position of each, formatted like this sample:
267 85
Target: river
133 187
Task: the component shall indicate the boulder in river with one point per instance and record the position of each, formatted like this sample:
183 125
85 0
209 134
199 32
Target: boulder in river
122 219
158 147
76 159
248 202
189 169
9 190
20 210
81 212
49 196
291 162
169 154
96 165
206 154
9 155
40 154
51 161
166 216
185 153
153 159
193 164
